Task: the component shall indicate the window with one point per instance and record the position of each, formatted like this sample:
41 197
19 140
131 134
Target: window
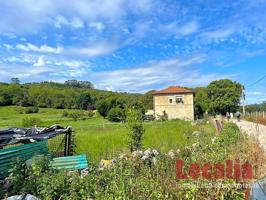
179 99
170 100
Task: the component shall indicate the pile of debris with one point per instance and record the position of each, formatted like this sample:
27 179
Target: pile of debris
148 156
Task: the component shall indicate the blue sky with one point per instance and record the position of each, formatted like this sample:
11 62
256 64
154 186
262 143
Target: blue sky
135 45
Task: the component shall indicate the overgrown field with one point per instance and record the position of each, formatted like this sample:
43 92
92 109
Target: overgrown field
99 138
152 178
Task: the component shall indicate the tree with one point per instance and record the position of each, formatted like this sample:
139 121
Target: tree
201 101
116 115
79 84
15 81
83 101
136 129
224 96
103 107
147 100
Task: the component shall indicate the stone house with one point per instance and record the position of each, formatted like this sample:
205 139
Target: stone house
174 103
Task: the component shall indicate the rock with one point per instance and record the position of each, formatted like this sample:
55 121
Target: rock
137 154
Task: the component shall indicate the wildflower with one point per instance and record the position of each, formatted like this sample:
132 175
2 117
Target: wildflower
155 152
195 145
214 139
171 154
137 154
147 152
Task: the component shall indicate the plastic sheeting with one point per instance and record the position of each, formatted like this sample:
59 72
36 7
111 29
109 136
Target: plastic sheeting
27 135
70 162
9 155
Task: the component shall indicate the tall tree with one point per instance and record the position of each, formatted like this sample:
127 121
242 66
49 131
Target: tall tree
83 100
15 80
202 101
147 100
224 96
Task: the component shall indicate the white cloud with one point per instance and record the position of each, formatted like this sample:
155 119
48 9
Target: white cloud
18 59
67 63
75 22
35 15
220 33
188 28
93 50
59 21
98 25
255 93
8 46
41 49
11 59
156 74
40 62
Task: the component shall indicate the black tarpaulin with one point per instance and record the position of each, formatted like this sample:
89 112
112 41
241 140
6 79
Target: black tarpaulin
26 135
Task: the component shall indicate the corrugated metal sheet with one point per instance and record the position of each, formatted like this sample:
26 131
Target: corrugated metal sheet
10 155
258 190
70 162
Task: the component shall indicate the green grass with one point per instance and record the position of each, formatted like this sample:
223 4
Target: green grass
100 139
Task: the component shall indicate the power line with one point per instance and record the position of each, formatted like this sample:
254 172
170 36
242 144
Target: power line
263 77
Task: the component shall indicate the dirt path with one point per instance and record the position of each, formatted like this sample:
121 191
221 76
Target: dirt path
257 130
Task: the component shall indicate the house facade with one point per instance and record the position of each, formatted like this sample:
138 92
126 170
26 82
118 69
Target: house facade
174 103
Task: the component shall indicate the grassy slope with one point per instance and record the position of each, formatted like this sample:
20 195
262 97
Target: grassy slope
99 138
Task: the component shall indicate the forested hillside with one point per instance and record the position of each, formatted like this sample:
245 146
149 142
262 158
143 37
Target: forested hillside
71 94
256 107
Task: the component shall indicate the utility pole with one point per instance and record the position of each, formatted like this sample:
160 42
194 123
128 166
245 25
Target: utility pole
243 101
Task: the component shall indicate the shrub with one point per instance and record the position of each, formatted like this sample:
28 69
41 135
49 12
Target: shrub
29 110
127 179
31 122
116 115
89 113
19 109
75 115
230 134
136 129
103 107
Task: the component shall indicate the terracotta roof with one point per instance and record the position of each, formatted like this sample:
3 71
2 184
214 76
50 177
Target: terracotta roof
173 90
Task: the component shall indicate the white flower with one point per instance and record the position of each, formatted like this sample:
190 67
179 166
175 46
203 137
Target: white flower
195 145
147 152
145 157
171 154
155 152
214 139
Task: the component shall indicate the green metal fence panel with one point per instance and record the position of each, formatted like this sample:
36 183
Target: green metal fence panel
9 155
70 162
